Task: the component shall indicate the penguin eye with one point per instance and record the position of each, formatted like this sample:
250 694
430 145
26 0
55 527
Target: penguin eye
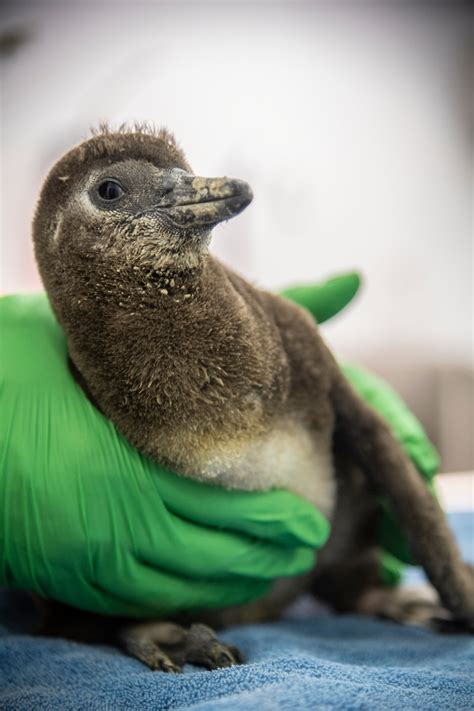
110 190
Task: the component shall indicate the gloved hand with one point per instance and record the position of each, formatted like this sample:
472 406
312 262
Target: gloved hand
85 519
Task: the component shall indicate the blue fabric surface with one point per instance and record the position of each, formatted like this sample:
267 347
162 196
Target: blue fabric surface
303 662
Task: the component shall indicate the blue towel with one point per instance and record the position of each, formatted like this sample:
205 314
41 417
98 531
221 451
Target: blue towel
310 660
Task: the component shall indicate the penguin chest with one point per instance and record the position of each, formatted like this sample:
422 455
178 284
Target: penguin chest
289 456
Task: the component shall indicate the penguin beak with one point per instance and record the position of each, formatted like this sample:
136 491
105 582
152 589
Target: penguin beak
193 202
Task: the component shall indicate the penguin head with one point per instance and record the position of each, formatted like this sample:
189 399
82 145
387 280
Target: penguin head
131 195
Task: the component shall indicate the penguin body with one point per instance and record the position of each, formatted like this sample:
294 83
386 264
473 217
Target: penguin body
217 379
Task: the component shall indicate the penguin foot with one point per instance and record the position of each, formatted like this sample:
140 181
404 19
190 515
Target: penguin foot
206 650
410 606
165 646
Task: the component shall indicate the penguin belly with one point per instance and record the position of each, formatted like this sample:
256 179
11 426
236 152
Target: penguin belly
288 456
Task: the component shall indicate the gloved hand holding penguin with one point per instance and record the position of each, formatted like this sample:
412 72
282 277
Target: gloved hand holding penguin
188 368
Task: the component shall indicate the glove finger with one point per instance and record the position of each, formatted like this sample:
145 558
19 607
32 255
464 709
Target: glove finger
325 300
391 569
142 591
278 516
197 551
149 591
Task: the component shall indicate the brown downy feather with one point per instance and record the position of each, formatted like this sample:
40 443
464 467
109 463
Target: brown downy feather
214 377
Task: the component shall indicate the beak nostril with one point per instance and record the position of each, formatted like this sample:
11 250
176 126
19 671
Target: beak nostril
166 187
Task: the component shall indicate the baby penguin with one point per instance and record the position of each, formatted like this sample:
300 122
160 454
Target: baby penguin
219 380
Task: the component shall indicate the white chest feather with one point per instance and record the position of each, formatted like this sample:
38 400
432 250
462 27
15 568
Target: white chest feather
287 457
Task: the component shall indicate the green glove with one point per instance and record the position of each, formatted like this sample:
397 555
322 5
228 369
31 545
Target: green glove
325 300
85 519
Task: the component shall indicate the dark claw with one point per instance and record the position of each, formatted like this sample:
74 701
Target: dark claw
171 668
164 664
220 656
237 654
225 659
225 656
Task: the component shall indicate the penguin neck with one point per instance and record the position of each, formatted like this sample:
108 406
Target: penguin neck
176 285
112 284
157 357
123 321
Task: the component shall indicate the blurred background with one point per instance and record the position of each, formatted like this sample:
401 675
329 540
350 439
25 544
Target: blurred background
352 122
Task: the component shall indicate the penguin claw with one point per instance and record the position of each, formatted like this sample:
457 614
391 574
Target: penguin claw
159 661
221 656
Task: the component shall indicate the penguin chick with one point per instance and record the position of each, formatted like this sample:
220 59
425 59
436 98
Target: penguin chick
207 374
186 358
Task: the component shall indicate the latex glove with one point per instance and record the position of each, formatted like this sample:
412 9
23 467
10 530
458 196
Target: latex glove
85 519
326 299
